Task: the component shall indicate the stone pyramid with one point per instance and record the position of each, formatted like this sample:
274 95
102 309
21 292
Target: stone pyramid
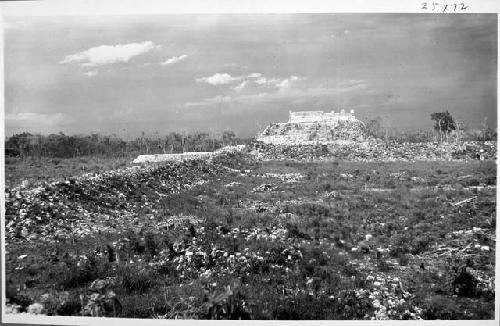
312 127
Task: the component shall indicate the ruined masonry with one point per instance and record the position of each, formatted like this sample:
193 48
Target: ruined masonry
186 156
311 127
319 116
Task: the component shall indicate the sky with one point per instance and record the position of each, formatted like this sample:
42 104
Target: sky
202 72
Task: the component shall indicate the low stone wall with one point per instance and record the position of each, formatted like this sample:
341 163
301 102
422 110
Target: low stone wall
155 158
172 157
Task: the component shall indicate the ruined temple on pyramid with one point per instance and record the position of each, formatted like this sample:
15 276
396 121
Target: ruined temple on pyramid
306 127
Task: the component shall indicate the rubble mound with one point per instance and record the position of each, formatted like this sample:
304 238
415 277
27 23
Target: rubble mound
81 205
376 150
295 133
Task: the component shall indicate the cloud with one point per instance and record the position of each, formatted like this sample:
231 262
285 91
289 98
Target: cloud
173 60
284 84
355 82
218 79
240 87
255 78
288 82
279 83
286 90
255 75
17 122
34 118
261 81
109 54
91 73
269 82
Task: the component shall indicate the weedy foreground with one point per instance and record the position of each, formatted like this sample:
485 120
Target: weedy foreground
237 238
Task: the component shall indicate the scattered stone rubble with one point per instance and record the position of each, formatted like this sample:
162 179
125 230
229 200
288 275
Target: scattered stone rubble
264 187
285 177
85 205
374 150
314 135
79 206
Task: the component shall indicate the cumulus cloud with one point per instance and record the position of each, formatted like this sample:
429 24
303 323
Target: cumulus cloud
218 79
261 81
240 87
251 82
286 90
255 75
109 54
284 84
173 60
257 79
279 83
91 73
270 82
287 82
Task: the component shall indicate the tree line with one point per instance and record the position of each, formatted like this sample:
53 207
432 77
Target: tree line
446 129
63 146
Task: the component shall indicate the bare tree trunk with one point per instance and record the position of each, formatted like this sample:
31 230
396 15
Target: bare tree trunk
440 131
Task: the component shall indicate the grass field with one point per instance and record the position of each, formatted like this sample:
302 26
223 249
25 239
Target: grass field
262 240
33 170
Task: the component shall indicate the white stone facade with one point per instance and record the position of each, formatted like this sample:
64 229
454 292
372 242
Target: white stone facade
155 158
186 156
320 116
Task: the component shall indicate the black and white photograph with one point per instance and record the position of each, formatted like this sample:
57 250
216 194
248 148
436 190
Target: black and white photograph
249 165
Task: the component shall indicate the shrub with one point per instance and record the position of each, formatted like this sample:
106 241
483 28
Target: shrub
77 276
349 270
383 266
344 305
143 306
419 245
464 284
134 280
403 260
21 300
71 307
295 232
150 244
442 307
230 304
327 187
399 246
317 254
